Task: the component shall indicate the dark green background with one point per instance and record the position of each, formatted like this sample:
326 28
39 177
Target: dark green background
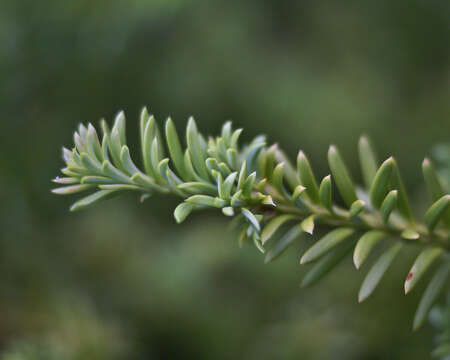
122 281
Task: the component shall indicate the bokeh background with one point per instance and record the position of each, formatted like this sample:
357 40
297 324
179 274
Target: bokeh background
122 281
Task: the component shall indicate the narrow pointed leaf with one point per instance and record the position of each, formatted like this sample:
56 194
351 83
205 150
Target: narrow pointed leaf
356 208
227 185
297 192
93 143
432 180
92 199
377 271
182 211
196 187
73 189
388 205
365 245
65 180
368 161
308 224
277 177
403 205
410 234
242 176
380 184
273 225
196 149
206 200
436 211
228 211
97 180
326 264
341 176
422 263
328 242
128 164
283 243
248 184
251 218
325 192
257 242
306 176
175 150
430 295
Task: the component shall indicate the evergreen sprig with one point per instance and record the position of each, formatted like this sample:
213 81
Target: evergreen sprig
272 201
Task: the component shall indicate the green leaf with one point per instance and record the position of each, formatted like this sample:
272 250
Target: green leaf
368 161
190 168
273 225
326 264
422 263
227 185
228 211
73 189
233 159
297 192
147 138
277 177
432 180
430 295
109 170
356 208
325 193
341 176
119 127
206 200
251 219
122 187
65 180
329 241
226 133
257 243
117 137
93 144
97 180
148 183
380 184
248 184
182 211
236 198
92 199
308 224
127 163
143 120
307 178
283 243
377 271
402 202
196 187
175 150
91 164
410 234
365 245
235 137
436 211
196 149
388 205
242 176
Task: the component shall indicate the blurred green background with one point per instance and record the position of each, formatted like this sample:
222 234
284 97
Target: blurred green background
122 281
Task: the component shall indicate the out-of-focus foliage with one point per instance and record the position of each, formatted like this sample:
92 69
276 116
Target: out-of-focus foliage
306 74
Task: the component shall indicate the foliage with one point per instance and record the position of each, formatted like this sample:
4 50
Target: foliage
264 193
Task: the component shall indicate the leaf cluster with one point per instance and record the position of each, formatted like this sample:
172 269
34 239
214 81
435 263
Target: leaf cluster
273 202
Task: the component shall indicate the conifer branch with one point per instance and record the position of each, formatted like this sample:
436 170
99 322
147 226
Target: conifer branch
267 196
